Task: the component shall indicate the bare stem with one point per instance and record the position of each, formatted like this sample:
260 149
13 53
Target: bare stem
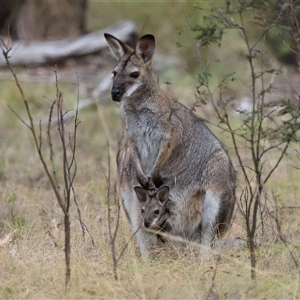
69 169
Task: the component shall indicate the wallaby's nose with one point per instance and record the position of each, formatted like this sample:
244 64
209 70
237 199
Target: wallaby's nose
146 224
116 94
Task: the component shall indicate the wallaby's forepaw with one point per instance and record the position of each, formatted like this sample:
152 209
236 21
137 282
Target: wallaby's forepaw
157 180
143 181
151 184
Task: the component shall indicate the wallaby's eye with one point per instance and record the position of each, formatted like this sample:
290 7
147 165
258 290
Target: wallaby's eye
156 212
142 210
135 74
114 73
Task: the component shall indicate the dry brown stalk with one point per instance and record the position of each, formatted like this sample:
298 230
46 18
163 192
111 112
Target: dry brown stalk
69 167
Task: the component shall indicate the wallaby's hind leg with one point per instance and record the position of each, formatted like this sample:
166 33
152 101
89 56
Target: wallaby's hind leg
225 211
216 215
210 212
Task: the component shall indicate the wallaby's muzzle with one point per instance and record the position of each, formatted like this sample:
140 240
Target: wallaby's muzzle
116 94
147 224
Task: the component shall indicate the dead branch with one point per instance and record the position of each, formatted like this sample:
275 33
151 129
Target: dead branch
38 53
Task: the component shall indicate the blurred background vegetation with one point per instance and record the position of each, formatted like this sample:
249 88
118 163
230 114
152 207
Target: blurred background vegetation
170 21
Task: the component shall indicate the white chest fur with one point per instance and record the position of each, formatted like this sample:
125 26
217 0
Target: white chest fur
144 130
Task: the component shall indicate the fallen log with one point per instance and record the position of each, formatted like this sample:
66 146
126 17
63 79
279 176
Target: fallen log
40 53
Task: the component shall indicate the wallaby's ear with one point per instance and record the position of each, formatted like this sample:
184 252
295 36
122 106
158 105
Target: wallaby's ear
141 193
145 48
117 47
163 194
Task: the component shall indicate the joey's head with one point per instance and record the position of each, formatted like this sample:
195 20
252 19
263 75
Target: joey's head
153 210
134 69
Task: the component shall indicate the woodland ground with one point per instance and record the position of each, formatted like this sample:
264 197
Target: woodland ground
31 222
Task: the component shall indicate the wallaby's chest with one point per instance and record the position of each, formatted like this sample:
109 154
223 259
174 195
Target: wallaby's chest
147 146
147 136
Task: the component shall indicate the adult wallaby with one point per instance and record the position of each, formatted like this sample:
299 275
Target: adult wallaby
164 141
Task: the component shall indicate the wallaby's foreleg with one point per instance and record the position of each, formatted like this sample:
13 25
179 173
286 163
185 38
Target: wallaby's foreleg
166 150
141 177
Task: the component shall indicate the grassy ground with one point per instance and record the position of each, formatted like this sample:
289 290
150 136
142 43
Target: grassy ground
32 260
31 221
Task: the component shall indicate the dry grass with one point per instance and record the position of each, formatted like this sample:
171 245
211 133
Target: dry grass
33 267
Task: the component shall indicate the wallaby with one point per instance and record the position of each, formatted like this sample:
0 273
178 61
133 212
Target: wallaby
166 142
153 212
